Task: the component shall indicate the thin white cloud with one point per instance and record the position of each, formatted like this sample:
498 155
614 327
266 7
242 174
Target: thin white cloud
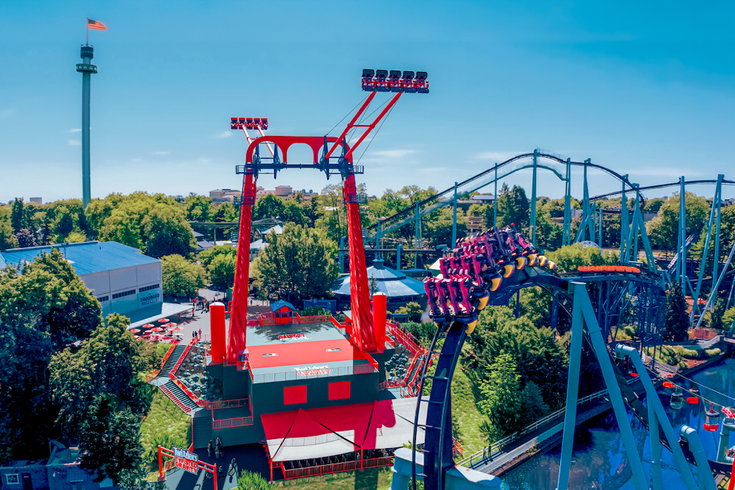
78 130
224 134
392 153
160 153
6 113
74 142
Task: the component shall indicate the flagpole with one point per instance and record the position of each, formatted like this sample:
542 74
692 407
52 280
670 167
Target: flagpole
87 30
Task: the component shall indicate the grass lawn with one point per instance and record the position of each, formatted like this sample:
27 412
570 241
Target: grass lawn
465 413
166 425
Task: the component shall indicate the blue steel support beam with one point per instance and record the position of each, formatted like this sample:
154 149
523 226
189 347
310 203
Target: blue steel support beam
599 230
495 199
703 263
417 244
399 249
682 272
716 286
616 398
623 222
663 419
533 199
570 415
566 230
454 218
590 222
717 232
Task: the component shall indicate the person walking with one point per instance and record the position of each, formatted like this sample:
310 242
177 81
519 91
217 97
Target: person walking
218 446
200 333
209 449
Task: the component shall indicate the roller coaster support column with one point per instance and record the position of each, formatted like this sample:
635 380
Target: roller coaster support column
623 221
616 398
715 287
399 249
495 199
703 264
586 218
690 435
653 400
570 415
566 230
681 272
417 242
533 200
454 218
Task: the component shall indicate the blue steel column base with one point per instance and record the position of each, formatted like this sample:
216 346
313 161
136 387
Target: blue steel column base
457 478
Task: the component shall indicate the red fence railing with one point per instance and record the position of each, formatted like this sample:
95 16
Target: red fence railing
329 469
153 374
182 386
178 403
405 338
231 423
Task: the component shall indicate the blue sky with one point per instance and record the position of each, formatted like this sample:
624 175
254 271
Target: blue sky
646 88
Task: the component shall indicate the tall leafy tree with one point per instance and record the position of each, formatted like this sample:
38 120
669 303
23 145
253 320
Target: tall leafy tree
663 230
180 277
17 217
677 320
300 262
513 208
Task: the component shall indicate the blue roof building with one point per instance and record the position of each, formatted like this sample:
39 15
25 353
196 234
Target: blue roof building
399 288
123 279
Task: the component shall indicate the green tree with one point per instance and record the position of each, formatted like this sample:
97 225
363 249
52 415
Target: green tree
413 310
181 278
7 236
717 316
207 256
501 398
663 230
198 208
222 271
299 262
269 206
41 311
16 216
676 327
569 258
513 208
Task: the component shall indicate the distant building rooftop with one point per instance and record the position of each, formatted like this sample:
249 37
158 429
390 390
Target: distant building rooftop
85 257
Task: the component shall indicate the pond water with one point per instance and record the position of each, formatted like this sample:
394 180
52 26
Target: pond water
599 459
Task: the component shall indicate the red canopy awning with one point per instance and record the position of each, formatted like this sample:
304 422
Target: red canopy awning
319 432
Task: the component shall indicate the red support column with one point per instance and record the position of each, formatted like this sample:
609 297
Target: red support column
215 464
362 324
160 463
731 486
238 317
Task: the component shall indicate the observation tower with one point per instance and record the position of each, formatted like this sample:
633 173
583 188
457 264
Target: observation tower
86 68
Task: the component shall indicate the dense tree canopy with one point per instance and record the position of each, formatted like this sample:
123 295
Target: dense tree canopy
299 262
182 278
663 230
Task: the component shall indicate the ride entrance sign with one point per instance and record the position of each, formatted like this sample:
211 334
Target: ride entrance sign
186 460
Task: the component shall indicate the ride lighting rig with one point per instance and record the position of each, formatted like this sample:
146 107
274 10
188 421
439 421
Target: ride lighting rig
327 159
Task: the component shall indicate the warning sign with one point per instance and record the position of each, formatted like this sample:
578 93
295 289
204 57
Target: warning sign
186 460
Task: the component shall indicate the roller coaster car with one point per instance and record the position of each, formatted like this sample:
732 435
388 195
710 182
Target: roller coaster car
408 82
422 84
394 81
381 84
368 82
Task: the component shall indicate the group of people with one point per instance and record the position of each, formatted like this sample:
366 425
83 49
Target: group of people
195 334
219 451
201 304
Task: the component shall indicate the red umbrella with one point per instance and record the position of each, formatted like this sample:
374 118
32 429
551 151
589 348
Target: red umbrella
157 329
134 330
148 325
176 329
164 320
170 324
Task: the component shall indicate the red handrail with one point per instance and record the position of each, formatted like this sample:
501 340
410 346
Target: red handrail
329 469
171 396
220 404
163 362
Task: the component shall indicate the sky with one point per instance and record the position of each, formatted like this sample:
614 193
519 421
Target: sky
644 88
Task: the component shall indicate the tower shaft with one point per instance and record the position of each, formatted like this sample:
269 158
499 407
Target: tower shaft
86 68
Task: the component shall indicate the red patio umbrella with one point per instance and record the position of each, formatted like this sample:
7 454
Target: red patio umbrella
148 325
134 330
164 320
170 324
176 329
157 329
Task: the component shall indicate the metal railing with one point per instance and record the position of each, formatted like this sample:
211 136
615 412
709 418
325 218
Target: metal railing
220 404
405 339
497 446
328 469
313 373
172 375
231 423
173 398
153 374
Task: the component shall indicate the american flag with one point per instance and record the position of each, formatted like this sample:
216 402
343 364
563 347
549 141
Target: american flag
93 24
